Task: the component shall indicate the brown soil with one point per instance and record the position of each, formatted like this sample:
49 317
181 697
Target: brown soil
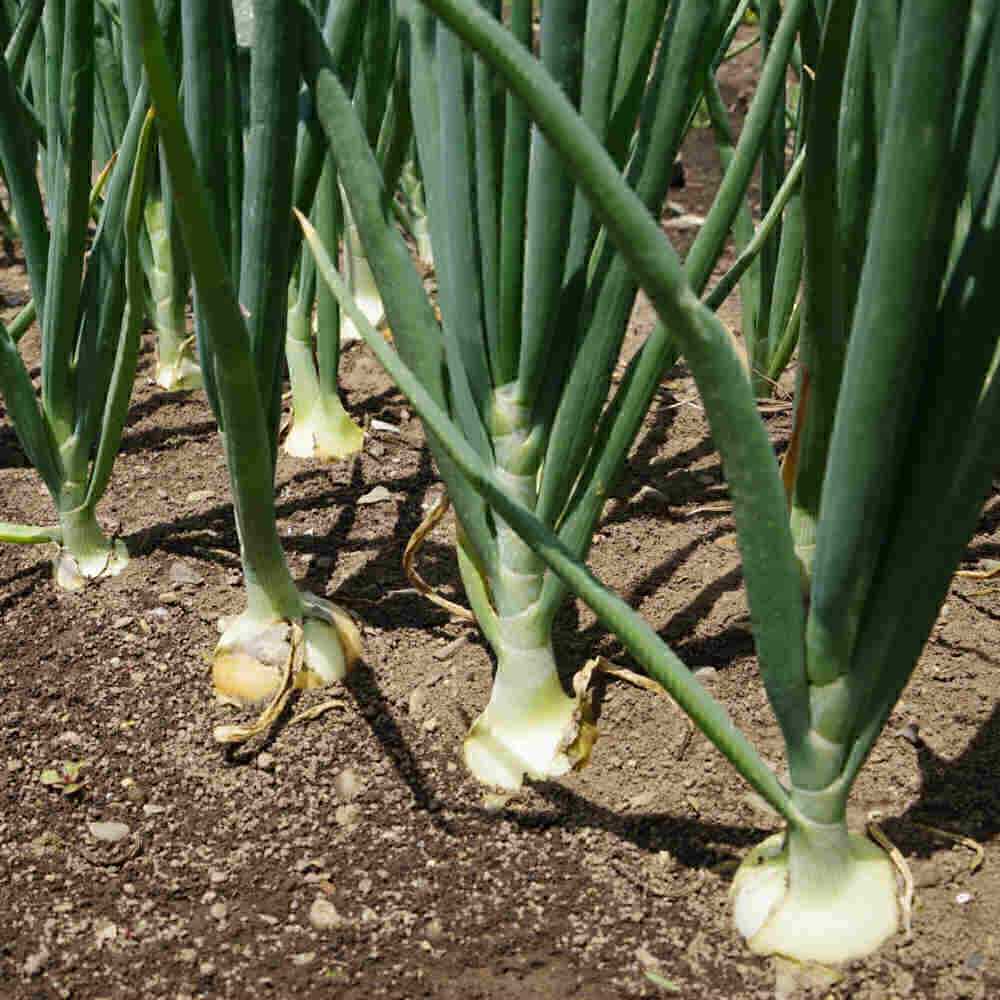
576 889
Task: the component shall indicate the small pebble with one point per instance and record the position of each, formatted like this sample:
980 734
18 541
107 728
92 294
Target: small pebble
347 785
493 802
646 958
35 963
447 652
652 495
323 915
110 832
348 816
963 897
265 761
418 700
181 574
218 911
133 791
377 495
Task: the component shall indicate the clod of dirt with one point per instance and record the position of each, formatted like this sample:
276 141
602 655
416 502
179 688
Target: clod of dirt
181 574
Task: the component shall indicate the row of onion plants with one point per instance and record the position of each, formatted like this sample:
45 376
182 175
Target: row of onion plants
540 180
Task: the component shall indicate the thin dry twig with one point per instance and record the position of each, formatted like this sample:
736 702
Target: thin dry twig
981 574
979 855
240 734
317 710
648 684
710 508
896 857
413 546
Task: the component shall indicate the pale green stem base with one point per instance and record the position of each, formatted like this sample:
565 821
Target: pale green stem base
86 553
361 282
530 727
422 237
176 367
321 427
816 894
803 526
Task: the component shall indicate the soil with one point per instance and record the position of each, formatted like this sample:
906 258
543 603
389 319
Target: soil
611 883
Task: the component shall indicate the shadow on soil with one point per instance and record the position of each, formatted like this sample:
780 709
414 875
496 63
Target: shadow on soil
961 794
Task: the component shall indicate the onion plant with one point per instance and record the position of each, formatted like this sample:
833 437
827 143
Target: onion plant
770 263
534 305
71 434
119 72
320 426
912 447
236 221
